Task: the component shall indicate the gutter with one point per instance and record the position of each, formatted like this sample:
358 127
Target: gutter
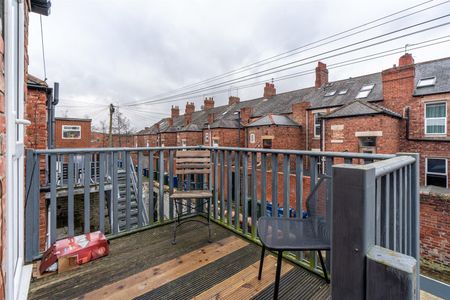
408 138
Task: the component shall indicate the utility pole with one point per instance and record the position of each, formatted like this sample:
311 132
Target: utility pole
111 111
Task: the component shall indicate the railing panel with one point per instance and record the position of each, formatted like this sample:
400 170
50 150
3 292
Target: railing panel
139 190
216 183
70 197
263 184
229 188
286 185
87 193
151 198
101 191
254 203
274 185
161 186
115 192
222 189
52 198
244 192
237 189
171 166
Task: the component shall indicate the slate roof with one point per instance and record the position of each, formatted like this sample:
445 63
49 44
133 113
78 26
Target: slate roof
273 120
440 69
225 123
360 108
281 104
192 127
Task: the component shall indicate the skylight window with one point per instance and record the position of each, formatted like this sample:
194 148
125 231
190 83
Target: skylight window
343 92
330 93
426 82
365 91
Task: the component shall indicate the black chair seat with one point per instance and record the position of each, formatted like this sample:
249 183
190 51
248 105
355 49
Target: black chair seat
292 234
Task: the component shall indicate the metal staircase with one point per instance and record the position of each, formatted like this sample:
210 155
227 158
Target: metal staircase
122 199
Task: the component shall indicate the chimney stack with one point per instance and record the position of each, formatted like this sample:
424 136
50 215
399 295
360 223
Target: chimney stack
269 90
321 74
175 111
233 100
190 108
170 122
405 60
245 115
208 103
211 118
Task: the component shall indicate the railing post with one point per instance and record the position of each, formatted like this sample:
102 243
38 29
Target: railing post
414 178
353 229
31 209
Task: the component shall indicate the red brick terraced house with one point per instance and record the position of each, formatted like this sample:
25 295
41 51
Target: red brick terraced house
72 133
401 109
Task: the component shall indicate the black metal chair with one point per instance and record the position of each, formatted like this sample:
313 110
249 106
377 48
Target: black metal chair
298 234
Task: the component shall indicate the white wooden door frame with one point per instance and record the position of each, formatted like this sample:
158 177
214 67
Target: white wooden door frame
17 276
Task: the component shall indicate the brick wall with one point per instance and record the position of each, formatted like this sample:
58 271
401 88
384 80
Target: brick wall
227 137
283 137
192 138
340 133
435 233
83 142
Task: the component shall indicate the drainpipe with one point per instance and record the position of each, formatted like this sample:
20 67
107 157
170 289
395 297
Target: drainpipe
51 103
307 131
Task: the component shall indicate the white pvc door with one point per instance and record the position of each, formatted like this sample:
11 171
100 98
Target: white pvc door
14 92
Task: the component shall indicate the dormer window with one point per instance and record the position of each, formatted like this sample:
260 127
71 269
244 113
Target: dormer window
365 91
343 92
430 81
330 93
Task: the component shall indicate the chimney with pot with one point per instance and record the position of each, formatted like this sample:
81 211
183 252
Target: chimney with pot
170 122
190 108
233 100
208 103
321 74
175 111
269 90
245 115
405 60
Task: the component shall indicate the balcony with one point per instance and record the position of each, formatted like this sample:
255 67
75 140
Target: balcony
125 194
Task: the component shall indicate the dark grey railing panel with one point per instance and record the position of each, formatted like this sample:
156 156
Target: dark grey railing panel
101 191
222 189
52 198
127 166
286 185
229 187
161 186
115 193
274 185
244 192
298 185
70 196
139 190
254 195
263 184
216 183
87 193
171 204
151 198
237 189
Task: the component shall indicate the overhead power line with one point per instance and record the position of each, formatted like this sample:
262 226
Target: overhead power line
287 66
331 66
290 52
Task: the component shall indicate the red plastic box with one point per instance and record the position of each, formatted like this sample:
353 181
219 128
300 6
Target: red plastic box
83 248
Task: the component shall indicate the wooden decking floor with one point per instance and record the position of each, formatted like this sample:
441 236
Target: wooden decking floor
145 265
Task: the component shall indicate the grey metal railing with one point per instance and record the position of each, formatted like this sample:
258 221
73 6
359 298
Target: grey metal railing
247 184
376 218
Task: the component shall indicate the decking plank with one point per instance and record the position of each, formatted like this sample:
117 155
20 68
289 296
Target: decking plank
154 277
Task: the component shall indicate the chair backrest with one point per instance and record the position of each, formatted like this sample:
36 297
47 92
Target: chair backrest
318 206
193 163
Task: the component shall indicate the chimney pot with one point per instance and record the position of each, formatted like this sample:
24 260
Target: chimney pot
269 90
190 108
175 111
208 103
233 100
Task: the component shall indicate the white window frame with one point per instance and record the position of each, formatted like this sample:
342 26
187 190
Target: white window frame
183 143
421 84
426 119
215 142
343 92
365 91
316 125
70 138
330 93
252 138
433 173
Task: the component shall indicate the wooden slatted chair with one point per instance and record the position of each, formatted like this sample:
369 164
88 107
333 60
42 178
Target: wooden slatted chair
190 163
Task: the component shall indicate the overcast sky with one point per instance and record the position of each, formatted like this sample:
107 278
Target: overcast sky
120 52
